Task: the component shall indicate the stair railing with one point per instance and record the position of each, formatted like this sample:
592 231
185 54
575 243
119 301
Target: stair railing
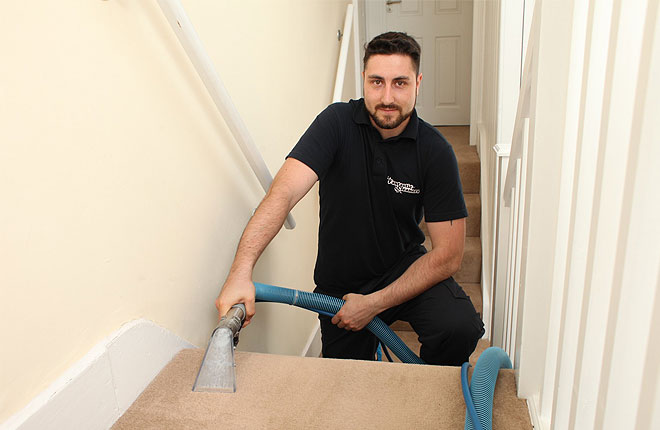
192 45
510 209
350 21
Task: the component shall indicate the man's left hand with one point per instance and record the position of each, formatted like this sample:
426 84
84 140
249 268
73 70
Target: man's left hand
357 312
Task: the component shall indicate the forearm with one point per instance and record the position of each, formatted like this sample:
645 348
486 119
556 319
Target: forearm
426 271
259 232
291 183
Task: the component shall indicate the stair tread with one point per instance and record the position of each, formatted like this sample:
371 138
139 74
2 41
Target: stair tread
406 396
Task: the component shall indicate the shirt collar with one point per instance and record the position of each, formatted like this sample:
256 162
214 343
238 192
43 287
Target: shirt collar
361 116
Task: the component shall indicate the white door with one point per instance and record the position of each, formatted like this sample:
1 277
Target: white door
443 29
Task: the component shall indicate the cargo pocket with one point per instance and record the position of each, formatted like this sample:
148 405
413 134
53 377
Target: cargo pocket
458 293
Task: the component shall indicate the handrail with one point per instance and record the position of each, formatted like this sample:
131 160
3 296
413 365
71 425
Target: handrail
356 50
343 55
185 32
522 113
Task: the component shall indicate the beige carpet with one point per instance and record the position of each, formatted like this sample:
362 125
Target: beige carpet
284 392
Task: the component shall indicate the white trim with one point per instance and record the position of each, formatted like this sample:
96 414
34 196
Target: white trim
343 54
313 346
357 50
535 418
476 92
99 388
192 45
482 136
502 149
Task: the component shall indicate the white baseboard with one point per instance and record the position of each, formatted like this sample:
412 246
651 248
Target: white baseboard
533 408
313 346
97 390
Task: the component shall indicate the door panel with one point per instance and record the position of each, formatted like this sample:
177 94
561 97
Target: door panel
446 62
444 30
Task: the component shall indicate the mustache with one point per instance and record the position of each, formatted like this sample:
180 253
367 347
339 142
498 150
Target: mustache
391 106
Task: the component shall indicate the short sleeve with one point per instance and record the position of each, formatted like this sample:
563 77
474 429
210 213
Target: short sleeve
319 144
443 193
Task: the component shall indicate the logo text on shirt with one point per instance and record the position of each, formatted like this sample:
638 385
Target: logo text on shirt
400 187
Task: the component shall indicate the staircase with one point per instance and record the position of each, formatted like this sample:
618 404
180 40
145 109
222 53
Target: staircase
302 392
469 276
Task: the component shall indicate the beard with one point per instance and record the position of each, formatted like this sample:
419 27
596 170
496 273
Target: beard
390 121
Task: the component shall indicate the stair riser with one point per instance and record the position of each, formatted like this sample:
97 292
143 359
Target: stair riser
470 174
470 271
473 225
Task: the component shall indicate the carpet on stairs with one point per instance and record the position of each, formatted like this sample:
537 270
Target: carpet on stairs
285 392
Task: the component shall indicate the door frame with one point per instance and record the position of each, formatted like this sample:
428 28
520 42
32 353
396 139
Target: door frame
375 17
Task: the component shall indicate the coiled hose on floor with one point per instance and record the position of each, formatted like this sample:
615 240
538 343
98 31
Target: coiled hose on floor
479 395
327 305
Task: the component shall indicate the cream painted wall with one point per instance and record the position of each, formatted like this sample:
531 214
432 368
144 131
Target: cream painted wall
483 121
123 194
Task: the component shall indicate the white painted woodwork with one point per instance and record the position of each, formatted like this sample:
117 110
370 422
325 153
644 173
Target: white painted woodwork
444 32
192 45
496 74
584 225
493 305
357 46
343 54
313 346
102 385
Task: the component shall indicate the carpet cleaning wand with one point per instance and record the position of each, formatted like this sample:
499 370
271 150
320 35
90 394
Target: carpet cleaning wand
217 374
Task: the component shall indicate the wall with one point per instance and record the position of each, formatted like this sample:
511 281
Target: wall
123 195
590 263
497 62
483 121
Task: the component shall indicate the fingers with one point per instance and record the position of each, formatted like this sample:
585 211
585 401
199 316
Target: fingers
234 292
355 314
221 306
249 310
341 321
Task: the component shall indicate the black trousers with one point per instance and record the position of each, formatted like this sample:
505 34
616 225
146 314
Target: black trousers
443 317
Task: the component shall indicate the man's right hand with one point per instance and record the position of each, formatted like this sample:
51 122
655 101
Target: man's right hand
291 183
236 291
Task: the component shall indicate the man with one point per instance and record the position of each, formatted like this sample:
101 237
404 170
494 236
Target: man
380 169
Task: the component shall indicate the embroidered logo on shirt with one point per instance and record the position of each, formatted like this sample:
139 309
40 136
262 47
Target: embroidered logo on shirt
400 187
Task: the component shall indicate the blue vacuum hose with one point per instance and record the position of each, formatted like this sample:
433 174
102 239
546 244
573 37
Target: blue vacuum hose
327 305
479 396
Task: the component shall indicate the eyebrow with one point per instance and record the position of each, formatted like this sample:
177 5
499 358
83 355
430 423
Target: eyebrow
398 78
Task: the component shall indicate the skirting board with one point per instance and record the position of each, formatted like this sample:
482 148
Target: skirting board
533 407
97 390
313 346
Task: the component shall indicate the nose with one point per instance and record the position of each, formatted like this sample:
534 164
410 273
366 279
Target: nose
388 95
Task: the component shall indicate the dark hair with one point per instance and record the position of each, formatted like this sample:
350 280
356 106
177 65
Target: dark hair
393 42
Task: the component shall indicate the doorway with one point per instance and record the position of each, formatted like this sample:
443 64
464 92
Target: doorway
443 29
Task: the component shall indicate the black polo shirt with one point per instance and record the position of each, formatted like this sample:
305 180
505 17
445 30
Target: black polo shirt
373 193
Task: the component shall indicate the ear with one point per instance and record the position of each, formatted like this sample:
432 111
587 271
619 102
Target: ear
419 81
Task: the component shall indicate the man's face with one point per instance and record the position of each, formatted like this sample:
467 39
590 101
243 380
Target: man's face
391 86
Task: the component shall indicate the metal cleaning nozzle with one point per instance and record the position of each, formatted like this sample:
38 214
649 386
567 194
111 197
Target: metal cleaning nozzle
217 372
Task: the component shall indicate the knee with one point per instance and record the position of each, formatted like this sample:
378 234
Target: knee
452 343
